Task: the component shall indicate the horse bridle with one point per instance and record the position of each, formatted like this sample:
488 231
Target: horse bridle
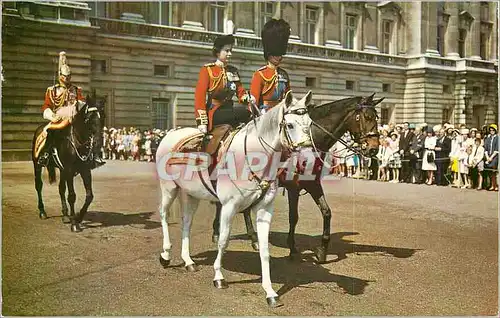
286 141
90 141
359 138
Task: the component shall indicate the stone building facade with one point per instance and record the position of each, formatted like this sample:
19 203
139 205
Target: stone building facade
433 61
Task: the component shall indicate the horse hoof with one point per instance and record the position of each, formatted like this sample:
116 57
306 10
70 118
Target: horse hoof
75 228
66 219
43 215
255 246
274 302
321 255
192 268
215 239
220 284
164 262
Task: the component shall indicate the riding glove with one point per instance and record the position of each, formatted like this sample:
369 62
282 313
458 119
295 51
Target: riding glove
49 115
203 128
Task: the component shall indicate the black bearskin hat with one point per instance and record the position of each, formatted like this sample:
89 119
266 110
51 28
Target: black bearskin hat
226 39
275 35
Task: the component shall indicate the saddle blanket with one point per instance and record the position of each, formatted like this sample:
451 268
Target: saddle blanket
42 137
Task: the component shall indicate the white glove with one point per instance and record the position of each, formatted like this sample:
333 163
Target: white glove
249 99
203 128
49 115
263 111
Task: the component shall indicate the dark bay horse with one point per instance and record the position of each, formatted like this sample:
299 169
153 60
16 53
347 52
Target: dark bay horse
330 121
74 145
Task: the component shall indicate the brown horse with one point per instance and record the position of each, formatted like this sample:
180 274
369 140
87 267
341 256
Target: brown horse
330 121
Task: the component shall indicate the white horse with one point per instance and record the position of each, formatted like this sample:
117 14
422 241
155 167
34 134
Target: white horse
284 128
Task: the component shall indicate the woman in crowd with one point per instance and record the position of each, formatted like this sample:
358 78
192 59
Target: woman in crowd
394 157
428 161
476 163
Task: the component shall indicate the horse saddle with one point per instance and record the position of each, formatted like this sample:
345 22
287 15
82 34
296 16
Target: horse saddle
42 137
213 143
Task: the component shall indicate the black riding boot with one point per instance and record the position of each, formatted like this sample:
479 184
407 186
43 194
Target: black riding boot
43 158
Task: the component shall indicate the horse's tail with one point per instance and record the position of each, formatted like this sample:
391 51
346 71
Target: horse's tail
52 173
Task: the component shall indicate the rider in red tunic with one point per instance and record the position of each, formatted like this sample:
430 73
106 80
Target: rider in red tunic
218 83
60 105
270 83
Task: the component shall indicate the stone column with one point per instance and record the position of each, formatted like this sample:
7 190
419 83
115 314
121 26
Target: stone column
244 18
193 15
431 45
371 28
475 30
414 28
451 36
333 25
494 31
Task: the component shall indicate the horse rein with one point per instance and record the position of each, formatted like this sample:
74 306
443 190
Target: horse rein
90 141
358 138
285 139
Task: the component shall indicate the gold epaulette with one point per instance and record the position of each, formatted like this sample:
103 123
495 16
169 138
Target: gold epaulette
272 78
209 64
262 68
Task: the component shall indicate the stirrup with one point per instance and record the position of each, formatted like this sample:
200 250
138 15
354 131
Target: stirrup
43 160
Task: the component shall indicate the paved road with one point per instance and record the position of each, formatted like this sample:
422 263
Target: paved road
396 249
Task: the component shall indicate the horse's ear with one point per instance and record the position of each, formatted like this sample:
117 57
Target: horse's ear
308 98
370 98
288 99
378 101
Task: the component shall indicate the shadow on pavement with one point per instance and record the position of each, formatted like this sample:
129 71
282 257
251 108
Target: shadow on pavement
107 219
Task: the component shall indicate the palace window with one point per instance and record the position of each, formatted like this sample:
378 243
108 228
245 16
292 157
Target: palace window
310 81
349 85
462 34
98 66
161 70
216 22
386 36
445 115
267 12
446 89
386 88
97 9
311 21
483 46
350 31
384 116
160 114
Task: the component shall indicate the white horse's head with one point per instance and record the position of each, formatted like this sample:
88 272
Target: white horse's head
295 121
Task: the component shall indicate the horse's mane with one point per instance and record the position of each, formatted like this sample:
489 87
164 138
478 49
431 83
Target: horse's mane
321 111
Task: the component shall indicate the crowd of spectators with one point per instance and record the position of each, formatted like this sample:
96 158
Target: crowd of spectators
131 143
442 155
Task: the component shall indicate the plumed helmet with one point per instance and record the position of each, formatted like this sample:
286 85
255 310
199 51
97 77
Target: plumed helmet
64 68
225 39
275 35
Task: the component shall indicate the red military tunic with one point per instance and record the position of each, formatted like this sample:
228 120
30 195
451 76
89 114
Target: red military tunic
57 96
269 86
220 84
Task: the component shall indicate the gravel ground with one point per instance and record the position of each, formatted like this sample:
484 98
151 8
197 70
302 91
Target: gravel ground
396 249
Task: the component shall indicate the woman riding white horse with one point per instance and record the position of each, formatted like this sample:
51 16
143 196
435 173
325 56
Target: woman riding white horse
285 128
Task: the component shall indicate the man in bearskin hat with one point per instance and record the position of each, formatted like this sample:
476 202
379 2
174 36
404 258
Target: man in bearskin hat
270 83
218 83
60 104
